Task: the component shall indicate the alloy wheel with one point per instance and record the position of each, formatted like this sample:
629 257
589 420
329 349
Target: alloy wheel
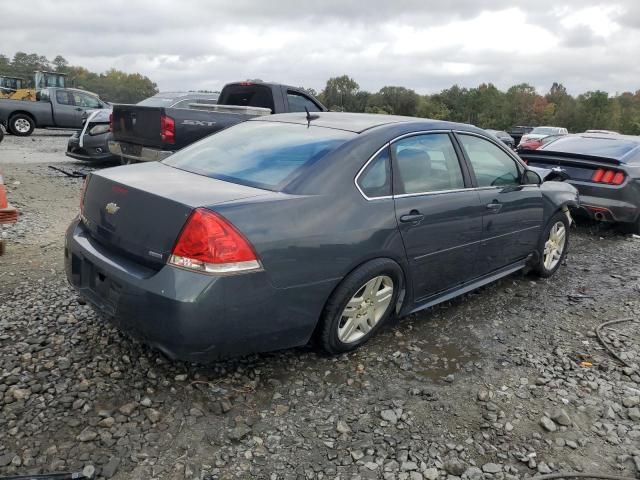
365 309
554 246
21 125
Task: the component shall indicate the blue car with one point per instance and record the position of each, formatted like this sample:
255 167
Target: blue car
298 226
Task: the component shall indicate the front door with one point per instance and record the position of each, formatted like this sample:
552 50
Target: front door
440 219
513 215
66 113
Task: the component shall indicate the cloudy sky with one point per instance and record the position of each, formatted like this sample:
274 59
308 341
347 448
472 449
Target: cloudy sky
426 45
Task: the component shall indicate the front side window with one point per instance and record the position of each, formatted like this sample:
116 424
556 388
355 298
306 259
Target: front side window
426 163
375 180
86 101
259 153
491 165
298 103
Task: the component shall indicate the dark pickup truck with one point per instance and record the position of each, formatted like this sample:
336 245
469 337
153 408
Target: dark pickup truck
142 134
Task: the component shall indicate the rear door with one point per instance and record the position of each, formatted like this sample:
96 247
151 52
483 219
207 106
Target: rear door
439 217
513 213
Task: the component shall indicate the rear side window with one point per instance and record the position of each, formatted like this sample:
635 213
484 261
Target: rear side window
298 103
491 165
260 154
375 179
426 163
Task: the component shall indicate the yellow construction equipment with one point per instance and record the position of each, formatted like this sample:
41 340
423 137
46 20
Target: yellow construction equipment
9 85
41 79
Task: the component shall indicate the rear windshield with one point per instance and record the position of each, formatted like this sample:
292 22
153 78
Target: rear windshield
544 131
260 154
615 148
158 101
247 96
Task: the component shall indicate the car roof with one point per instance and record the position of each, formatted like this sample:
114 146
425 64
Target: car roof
360 122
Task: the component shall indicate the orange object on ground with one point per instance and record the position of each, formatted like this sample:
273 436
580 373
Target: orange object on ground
8 213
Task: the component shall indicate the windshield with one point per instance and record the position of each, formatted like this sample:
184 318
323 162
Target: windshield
544 131
260 154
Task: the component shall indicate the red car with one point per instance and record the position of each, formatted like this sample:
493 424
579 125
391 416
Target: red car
536 143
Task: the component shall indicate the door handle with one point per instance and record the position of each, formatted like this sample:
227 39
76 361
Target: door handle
414 216
494 207
78 109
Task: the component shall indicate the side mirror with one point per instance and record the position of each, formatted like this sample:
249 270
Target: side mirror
531 178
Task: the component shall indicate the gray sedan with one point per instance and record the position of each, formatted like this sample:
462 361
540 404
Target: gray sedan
296 226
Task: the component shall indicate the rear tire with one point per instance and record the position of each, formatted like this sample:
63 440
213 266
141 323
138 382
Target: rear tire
360 305
553 245
21 125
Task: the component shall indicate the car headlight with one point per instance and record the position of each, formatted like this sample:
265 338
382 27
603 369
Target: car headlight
99 129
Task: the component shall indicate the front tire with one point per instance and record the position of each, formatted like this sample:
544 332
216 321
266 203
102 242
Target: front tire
553 246
360 305
21 125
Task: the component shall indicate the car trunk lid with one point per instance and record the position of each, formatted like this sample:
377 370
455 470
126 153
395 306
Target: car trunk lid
139 210
576 166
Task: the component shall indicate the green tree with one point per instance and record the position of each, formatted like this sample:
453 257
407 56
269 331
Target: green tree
60 64
340 93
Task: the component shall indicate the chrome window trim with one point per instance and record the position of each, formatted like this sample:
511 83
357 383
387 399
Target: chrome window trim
438 192
364 167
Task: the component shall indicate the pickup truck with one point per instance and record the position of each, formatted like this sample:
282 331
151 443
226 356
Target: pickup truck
142 133
53 108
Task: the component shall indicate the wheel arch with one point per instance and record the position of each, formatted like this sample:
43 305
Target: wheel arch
402 297
25 113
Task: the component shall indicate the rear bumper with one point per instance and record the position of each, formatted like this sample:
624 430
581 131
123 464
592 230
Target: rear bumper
610 203
137 152
187 315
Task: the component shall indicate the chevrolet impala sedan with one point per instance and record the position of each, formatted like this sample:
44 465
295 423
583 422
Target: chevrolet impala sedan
296 227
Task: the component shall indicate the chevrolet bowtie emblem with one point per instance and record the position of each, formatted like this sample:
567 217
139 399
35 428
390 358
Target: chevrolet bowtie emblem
112 208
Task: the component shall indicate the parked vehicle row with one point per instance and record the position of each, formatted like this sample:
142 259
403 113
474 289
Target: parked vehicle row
326 224
503 137
286 226
92 142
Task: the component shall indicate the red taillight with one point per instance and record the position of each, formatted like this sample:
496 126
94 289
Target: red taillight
597 175
167 129
208 243
111 122
618 178
611 177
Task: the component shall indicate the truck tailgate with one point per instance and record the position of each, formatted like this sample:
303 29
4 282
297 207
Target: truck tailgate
138 125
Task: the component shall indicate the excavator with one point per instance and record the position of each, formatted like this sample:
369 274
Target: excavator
17 90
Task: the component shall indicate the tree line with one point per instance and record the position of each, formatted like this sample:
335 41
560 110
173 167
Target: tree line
488 107
485 106
113 85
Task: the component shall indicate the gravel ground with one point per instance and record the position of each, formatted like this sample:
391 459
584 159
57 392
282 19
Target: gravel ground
504 383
